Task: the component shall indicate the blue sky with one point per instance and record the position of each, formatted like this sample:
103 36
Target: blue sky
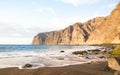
21 20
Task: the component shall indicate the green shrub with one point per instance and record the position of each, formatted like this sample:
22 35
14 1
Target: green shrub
115 52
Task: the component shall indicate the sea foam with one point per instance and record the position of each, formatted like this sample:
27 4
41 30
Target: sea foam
45 57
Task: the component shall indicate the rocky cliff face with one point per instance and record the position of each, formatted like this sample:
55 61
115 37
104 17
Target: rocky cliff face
109 30
96 31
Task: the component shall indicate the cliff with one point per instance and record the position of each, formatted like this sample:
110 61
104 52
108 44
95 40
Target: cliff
109 30
99 30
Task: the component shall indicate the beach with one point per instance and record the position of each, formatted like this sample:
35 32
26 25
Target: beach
82 69
53 60
60 37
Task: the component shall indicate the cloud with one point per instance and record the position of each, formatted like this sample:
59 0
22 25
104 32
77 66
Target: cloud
47 9
15 30
78 2
55 20
61 23
15 40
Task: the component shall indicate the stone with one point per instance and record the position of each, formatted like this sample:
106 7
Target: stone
94 62
117 73
114 63
27 66
62 51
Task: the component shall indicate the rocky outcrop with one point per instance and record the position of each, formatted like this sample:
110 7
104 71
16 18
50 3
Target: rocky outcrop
114 63
40 38
96 31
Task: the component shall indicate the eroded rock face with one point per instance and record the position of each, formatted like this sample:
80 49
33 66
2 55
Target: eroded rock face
108 31
96 31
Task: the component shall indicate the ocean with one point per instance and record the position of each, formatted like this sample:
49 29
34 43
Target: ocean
42 55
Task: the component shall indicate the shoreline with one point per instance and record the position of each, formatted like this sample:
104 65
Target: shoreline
49 58
55 58
81 69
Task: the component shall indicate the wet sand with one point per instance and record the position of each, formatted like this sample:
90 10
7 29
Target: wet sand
82 69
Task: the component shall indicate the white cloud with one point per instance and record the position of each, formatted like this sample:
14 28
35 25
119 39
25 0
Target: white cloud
77 2
55 20
47 9
14 34
61 23
15 40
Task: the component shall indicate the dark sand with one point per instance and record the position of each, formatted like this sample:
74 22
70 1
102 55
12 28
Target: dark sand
83 69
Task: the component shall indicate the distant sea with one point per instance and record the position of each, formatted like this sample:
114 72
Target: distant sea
39 48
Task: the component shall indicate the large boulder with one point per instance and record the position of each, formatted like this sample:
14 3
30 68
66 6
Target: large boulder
114 63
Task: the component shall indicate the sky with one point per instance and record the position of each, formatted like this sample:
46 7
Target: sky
21 20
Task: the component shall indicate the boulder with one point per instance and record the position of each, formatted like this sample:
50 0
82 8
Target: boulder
114 63
27 66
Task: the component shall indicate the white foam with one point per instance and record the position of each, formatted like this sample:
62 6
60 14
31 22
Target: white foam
46 58
34 66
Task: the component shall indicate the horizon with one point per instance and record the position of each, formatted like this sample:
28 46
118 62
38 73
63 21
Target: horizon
21 20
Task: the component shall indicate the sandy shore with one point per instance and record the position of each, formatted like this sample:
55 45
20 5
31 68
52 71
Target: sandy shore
82 69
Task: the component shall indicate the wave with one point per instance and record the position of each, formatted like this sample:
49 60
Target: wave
49 57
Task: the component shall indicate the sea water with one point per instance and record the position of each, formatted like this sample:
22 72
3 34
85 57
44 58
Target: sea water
41 55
